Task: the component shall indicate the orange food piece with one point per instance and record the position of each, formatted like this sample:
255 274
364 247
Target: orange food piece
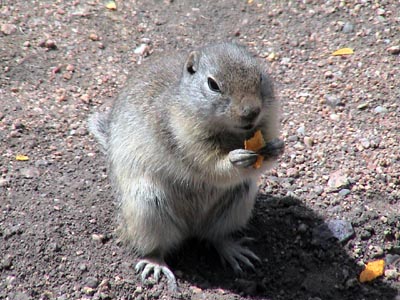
256 143
21 157
343 51
372 270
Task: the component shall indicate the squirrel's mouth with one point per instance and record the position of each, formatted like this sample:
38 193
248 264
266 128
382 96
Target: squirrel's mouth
246 127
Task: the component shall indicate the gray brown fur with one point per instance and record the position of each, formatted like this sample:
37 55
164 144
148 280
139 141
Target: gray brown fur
175 148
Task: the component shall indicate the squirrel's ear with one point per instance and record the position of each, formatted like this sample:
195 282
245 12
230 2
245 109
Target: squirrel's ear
192 62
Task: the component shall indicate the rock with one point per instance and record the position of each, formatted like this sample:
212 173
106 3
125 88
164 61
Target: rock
365 143
6 262
344 192
394 49
91 282
10 231
308 141
88 290
31 172
318 190
292 172
19 296
334 117
380 110
348 27
142 50
4 182
94 37
332 100
248 287
392 274
392 259
301 130
8 29
302 228
339 229
82 267
328 74
362 106
54 247
376 251
99 237
70 68
338 180
380 12
49 44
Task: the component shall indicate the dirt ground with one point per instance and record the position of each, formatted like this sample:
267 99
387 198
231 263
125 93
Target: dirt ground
61 60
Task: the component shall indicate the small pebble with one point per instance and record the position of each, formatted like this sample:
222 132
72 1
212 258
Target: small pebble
54 247
340 229
142 50
334 117
362 106
337 180
301 130
4 182
328 74
88 290
394 49
365 143
6 262
70 68
365 235
391 274
31 172
98 237
380 12
91 282
302 228
392 259
344 192
348 27
8 29
94 37
308 141
332 100
50 44
82 267
318 190
138 291
292 172
376 251
380 110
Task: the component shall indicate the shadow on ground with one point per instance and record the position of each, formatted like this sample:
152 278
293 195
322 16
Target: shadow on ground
293 265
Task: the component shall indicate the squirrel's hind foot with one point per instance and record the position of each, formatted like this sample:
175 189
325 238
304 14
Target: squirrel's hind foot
147 266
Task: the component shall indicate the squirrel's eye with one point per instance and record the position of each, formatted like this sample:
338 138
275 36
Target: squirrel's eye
213 85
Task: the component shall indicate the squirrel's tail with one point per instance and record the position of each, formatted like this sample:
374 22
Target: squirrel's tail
98 126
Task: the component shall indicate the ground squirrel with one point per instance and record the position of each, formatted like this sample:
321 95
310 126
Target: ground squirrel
174 141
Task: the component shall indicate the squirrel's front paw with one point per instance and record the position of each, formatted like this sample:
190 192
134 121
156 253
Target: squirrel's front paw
273 149
242 158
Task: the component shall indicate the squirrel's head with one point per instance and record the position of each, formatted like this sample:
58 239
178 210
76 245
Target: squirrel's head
226 87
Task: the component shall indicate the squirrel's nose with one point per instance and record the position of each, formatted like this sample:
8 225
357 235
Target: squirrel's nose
249 113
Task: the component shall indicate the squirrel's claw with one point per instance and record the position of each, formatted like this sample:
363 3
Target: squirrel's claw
234 253
147 267
243 158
